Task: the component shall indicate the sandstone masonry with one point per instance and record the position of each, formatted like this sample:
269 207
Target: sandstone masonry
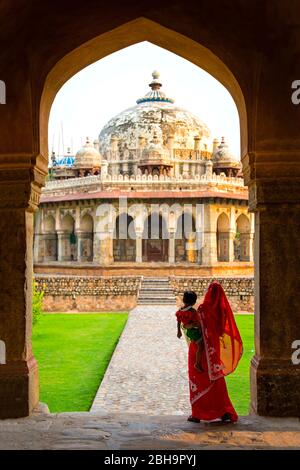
112 293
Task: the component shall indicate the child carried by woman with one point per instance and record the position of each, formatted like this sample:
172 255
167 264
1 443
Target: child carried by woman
187 320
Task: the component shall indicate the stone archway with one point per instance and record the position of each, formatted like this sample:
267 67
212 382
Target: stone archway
271 164
185 238
124 245
223 237
155 245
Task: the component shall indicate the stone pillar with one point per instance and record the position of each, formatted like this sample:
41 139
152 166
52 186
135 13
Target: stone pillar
37 242
231 235
275 379
103 248
251 237
60 245
19 196
138 247
209 250
171 247
79 236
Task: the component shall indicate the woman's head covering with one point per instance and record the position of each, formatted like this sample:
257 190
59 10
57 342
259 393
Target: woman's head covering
223 343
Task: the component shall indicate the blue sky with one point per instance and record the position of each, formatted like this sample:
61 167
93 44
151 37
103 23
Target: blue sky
89 99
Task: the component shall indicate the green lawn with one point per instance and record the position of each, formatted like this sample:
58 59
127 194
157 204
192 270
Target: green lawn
73 351
239 382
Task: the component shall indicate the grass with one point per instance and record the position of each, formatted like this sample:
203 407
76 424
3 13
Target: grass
73 352
239 382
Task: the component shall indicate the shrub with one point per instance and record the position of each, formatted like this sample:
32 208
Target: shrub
37 301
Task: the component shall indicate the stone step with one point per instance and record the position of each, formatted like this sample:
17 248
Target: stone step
159 291
157 299
156 291
156 302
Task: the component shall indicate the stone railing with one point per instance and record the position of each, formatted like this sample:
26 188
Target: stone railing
121 181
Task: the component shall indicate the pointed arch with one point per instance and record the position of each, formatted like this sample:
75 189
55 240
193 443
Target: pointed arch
223 225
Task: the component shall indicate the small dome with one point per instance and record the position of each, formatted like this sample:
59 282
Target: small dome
88 156
155 153
223 158
65 160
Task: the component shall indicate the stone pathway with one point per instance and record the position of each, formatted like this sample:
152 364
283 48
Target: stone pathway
109 432
148 370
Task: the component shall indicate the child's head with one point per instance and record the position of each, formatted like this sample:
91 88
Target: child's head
189 297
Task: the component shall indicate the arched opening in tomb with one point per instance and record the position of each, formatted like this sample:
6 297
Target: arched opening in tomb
50 239
185 239
67 240
85 238
124 243
155 239
242 239
223 237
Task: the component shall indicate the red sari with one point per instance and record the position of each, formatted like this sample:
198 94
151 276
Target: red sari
221 353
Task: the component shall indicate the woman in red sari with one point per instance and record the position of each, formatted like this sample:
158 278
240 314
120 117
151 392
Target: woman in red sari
220 353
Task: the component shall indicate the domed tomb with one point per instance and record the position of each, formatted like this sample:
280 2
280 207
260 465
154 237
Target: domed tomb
126 136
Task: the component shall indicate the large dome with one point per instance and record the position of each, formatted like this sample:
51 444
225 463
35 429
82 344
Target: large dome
155 113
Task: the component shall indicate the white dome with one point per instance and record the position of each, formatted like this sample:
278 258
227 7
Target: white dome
155 113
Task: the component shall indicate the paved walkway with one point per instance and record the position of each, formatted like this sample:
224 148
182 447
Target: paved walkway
148 371
118 432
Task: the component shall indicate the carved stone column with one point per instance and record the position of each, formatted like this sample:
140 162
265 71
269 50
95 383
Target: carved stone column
60 245
138 247
19 196
275 379
209 250
171 247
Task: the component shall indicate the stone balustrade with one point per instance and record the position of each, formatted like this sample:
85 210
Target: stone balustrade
105 181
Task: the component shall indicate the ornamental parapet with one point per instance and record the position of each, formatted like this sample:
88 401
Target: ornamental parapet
144 182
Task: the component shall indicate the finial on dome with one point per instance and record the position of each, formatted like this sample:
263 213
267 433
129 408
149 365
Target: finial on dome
87 140
155 84
155 94
223 140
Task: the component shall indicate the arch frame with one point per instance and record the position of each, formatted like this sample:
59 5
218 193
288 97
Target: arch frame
133 32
